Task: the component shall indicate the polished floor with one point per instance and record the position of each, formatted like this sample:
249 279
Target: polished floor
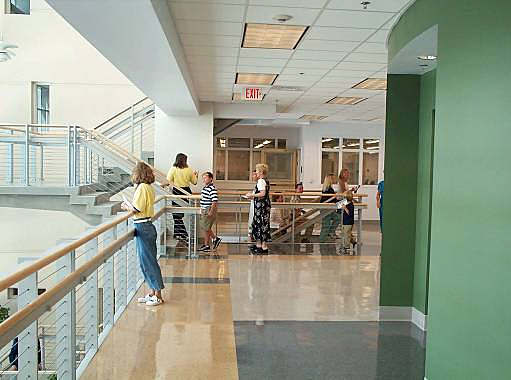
236 316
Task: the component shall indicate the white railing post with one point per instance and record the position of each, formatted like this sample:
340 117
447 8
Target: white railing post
121 274
76 158
10 162
132 129
132 265
91 304
69 161
27 155
65 316
41 178
108 283
141 138
27 340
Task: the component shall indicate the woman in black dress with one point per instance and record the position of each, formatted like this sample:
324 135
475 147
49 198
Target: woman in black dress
262 206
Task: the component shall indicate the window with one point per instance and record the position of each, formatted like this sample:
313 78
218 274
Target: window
235 157
42 105
19 7
280 164
359 156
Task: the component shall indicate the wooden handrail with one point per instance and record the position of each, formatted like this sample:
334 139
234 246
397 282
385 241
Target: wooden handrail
304 194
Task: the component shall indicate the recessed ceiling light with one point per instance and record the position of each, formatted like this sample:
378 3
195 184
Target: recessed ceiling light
312 117
282 18
372 84
272 36
427 57
255 78
346 100
327 140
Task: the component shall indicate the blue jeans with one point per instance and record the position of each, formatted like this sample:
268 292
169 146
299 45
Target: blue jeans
146 250
381 218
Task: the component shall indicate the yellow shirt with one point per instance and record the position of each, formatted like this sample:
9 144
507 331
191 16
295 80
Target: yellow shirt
181 177
143 200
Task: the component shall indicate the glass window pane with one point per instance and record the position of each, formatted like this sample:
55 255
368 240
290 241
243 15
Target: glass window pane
234 142
351 143
370 167
280 165
220 164
239 165
372 144
263 143
256 159
350 162
329 143
329 164
20 7
221 142
45 98
282 144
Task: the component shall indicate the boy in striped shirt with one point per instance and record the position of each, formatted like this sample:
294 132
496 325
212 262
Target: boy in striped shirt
208 209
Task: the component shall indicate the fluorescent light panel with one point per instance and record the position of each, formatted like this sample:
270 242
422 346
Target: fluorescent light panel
372 84
313 117
346 100
272 36
255 78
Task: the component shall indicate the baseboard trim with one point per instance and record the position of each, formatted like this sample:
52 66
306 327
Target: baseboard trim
403 313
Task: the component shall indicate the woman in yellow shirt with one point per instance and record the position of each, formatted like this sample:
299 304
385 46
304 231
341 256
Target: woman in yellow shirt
181 176
145 232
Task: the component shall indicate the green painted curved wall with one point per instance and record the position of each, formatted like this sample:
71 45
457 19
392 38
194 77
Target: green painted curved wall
469 325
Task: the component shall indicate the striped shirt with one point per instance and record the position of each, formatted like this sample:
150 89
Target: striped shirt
208 195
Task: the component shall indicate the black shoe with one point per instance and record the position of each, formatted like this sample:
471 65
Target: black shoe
204 248
216 242
252 249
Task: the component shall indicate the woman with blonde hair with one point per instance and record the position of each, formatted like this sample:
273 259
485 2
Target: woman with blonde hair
262 209
145 232
331 220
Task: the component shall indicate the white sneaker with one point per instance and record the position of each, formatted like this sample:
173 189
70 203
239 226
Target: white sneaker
154 301
144 299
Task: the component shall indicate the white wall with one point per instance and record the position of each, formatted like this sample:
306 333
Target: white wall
310 138
85 88
192 136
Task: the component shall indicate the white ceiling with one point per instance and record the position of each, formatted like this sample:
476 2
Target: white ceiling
344 45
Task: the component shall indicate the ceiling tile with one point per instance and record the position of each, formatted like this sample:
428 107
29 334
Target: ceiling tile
205 67
210 27
303 63
209 40
339 34
353 19
211 51
291 3
207 11
306 72
265 14
321 55
263 62
380 36
367 57
360 66
211 60
372 47
259 69
390 23
310 44
385 6
265 53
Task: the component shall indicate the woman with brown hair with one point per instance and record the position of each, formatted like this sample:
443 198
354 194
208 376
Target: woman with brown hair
181 176
145 232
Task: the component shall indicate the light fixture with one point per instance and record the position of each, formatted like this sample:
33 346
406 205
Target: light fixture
354 144
427 57
327 140
272 36
282 18
371 84
373 147
265 142
255 78
312 117
223 143
365 4
346 100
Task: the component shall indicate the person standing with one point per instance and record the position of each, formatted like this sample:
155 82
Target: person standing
208 212
145 232
251 209
379 203
181 176
262 208
348 220
331 220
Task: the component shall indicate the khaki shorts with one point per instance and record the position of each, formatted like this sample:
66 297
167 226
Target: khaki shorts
206 222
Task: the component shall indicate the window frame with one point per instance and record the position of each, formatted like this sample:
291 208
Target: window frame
9 4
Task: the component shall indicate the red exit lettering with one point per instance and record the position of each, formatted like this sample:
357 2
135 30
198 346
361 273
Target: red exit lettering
252 93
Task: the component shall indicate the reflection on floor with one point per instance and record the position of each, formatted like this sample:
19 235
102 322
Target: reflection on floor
291 316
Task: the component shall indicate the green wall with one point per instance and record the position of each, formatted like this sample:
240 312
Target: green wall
424 173
469 323
400 200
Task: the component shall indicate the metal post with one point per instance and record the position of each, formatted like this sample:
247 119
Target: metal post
27 340
108 284
359 232
27 156
132 129
69 161
91 303
141 138
65 316
131 264
76 158
293 228
10 160
196 228
121 293
41 178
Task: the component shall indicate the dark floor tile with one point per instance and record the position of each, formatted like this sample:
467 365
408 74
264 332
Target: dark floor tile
329 350
195 280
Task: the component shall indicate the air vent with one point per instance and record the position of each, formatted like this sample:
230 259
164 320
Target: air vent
288 88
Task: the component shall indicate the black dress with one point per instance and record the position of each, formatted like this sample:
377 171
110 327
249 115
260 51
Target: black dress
261 221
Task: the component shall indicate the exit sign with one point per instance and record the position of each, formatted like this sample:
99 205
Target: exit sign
253 93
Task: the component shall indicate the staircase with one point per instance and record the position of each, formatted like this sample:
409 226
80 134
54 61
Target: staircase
70 168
